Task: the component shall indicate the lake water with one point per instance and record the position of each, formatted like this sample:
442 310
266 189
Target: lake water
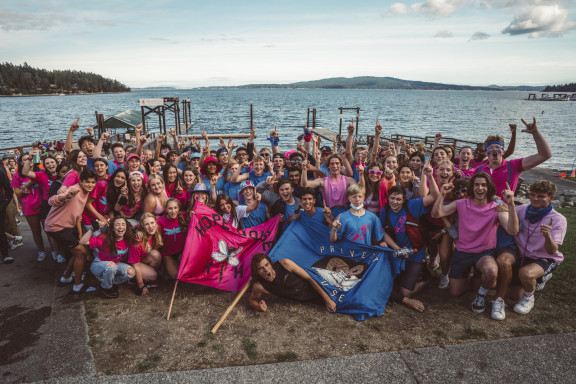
467 115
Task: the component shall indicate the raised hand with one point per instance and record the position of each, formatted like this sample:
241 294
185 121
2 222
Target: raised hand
138 128
105 135
172 131
360 169
512 128
428 170
447 187
143 139
378 130
274 133
231 144
438 136
336 223
204 135
214 179
221 142
530 127
326 211
162 137
271 180
90 131
350 128
304 165
75 125
258 196
546 230
508 195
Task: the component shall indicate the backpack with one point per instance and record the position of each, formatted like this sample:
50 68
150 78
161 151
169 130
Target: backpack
412 227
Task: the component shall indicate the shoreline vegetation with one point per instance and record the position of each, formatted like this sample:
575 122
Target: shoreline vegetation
24 80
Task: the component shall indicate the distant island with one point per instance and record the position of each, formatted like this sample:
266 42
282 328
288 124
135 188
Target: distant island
372 82
561 88
26 80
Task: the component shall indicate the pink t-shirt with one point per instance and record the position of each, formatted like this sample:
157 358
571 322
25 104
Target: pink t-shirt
122 254
477 226
182 197
334 191
500 174
172 236
45 181
72 178
140 250
530 240
31 202
100 203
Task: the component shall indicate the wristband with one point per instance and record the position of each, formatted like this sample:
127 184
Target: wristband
274 141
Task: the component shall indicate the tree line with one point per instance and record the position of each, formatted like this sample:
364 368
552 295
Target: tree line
24 79
561 88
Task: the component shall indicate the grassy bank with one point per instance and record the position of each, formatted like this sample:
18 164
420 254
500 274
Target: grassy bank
132 335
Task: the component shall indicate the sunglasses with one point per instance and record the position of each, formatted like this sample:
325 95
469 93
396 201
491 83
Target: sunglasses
297 160
242 154
461 191
374 172
265 154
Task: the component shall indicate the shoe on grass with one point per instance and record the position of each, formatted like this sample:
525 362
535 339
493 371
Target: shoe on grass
498 309
479 303
525 305
109 293
82 288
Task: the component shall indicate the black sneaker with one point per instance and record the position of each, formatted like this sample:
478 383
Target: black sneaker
108 293
479 303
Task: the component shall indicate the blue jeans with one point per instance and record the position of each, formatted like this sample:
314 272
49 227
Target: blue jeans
110 275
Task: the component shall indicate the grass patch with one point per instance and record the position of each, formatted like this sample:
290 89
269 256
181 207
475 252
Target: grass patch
249 346
149 363
440 334
471 333
120 338
93 341
286 356
361 347
202 344
524 331
217 347
91 315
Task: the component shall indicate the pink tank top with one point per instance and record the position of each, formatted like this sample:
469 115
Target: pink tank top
334 191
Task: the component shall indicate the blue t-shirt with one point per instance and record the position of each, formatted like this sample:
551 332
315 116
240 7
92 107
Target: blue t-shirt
317 218
398 222
219 185
360 229
257 179
233 190
256 217
288 212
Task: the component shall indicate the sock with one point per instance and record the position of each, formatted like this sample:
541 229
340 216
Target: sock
482 291
528 294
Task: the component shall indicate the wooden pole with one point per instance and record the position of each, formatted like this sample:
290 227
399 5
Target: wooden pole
172 301
231 307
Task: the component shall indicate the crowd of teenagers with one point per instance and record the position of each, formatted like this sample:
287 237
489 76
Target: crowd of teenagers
122 211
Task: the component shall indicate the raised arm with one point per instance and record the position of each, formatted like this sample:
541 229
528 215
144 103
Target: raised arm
159 142
335 227
304 182
350 143
73 128
509 220
544 151
512 143
434 192
441 210
376 144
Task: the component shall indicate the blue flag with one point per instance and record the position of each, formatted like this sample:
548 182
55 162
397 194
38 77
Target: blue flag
358 278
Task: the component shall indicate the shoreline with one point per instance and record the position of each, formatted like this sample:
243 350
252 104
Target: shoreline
67 94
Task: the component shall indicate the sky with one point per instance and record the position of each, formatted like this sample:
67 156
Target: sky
222 43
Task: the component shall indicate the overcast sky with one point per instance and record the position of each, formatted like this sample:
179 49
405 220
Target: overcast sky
199 43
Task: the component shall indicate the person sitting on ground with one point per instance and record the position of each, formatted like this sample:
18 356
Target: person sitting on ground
475 246
542 230
285 279
112 265
63 224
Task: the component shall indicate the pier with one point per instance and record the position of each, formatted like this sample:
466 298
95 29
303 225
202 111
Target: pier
554 97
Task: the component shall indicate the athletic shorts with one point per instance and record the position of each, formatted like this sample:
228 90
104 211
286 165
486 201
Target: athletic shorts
66 238
463 261
409 276
548 265
511 250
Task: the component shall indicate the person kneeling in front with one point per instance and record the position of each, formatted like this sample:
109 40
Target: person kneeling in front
542 230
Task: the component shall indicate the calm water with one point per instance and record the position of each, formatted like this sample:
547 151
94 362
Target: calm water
468 115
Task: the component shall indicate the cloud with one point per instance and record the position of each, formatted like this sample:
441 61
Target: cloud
20 21
431 8
159 38
443 34
269 46
221 37
479 36
540 21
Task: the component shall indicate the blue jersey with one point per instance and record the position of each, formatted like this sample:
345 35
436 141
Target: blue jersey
256 217
360 229
317 218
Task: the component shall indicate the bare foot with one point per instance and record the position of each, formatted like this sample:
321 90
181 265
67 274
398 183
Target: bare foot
414 304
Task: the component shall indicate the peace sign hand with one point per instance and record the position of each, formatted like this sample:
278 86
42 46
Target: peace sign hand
447 187
508 195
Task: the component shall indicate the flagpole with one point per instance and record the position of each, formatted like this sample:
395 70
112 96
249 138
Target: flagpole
236 300
172 301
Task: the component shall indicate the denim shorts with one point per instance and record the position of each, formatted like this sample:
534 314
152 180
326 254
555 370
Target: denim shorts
110 275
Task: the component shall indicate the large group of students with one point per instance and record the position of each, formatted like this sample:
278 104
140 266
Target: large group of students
122 211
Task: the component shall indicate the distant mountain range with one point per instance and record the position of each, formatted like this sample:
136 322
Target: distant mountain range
372 82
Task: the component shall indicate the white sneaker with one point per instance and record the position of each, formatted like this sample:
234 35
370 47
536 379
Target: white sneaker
444 281
545 278
41 256
525 305
54 255
19 238
14 244
498 309
60 259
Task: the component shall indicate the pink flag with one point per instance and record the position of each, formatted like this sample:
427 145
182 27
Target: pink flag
219 255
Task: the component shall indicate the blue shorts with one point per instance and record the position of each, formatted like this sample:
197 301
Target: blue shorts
548 265
463 261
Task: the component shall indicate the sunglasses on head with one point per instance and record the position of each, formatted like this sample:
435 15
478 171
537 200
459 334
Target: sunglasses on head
374 172
461 191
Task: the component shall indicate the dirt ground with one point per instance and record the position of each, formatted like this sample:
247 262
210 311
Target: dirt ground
131 334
